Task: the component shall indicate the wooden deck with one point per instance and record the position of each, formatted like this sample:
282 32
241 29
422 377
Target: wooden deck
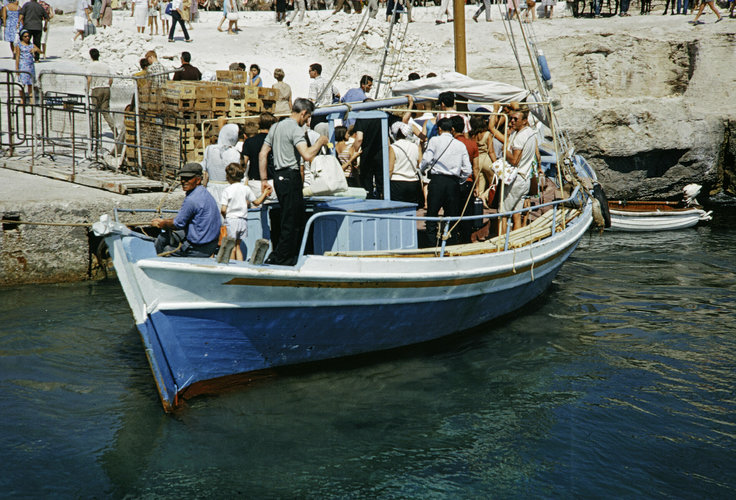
87 176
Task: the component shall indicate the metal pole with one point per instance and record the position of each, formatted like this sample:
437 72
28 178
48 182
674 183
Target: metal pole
386 176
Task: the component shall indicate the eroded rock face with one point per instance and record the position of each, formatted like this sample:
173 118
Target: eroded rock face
650 114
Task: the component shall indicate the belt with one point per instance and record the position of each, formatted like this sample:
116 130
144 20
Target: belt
454 177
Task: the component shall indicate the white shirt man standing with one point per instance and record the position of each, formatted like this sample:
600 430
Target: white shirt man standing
99 91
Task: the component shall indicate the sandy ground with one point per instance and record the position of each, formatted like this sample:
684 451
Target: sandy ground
323 38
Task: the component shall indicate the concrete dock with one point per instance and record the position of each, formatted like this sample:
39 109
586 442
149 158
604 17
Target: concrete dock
57 245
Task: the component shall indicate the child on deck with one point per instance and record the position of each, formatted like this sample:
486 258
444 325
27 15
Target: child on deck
236 199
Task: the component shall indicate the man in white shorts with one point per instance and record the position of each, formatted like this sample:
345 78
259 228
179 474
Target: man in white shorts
523 156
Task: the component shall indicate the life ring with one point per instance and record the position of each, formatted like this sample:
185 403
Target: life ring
599 195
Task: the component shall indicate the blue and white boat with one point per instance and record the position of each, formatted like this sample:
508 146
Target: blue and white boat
361 284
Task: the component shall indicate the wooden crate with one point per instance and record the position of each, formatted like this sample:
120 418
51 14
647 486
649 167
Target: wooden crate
253 105
268 106
220 104
203 104
195 156
219 91
177 90
268 94
179 104
237 107
224 75
201 115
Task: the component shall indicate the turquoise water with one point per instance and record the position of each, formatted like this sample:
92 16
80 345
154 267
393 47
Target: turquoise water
619 382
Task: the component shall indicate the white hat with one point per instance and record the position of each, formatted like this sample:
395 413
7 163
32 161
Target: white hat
405 129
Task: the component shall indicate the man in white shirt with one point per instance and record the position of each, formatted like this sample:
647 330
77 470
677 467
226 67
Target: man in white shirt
448 163
316 88
99 92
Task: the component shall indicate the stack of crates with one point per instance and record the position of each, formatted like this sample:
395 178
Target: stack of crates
184 113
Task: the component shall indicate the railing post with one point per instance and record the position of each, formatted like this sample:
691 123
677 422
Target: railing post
137 110
508 232
445 234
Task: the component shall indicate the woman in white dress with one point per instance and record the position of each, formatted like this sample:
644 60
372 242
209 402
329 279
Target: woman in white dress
140 13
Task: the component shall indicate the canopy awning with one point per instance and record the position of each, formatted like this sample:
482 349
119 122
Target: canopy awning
462 85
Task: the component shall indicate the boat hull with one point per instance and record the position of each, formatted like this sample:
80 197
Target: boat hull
655 221
220 343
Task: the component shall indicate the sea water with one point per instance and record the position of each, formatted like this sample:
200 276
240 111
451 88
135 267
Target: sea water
618 382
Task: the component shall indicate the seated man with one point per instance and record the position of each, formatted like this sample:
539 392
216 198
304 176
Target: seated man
195 230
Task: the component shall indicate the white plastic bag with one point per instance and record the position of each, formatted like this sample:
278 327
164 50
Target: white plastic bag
327 176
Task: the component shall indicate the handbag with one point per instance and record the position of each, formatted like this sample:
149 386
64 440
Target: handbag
167 10
505 171
232 16
89 29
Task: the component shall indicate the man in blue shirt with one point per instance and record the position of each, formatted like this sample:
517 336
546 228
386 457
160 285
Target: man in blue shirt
195 230
359 94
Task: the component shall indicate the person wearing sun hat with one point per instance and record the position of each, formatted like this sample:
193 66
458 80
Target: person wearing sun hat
195 230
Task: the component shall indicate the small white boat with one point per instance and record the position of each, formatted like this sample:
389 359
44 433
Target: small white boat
654 215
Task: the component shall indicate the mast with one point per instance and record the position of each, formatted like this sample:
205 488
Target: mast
458 7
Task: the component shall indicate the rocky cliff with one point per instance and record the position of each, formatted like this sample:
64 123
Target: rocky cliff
650 103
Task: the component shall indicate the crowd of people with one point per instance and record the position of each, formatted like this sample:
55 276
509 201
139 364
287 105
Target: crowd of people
439 158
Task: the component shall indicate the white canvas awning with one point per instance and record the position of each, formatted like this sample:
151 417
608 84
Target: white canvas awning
462 85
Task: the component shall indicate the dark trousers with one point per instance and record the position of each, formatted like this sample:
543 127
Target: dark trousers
176 18
36 37
175 241
444 193
371 175
288 184
466 226
408 191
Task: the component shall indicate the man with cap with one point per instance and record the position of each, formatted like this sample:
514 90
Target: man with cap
195 230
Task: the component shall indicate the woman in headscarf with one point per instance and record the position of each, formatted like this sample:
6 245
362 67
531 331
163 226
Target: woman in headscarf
404 157
217 157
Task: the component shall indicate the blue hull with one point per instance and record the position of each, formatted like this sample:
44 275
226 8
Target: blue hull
187 349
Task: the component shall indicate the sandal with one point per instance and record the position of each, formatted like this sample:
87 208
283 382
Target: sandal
719 20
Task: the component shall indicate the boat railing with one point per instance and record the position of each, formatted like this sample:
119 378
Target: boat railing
575 197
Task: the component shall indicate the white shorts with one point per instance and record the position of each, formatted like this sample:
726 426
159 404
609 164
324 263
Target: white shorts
79 23
514 194
237 228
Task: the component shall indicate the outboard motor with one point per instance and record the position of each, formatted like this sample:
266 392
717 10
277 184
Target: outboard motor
689 193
